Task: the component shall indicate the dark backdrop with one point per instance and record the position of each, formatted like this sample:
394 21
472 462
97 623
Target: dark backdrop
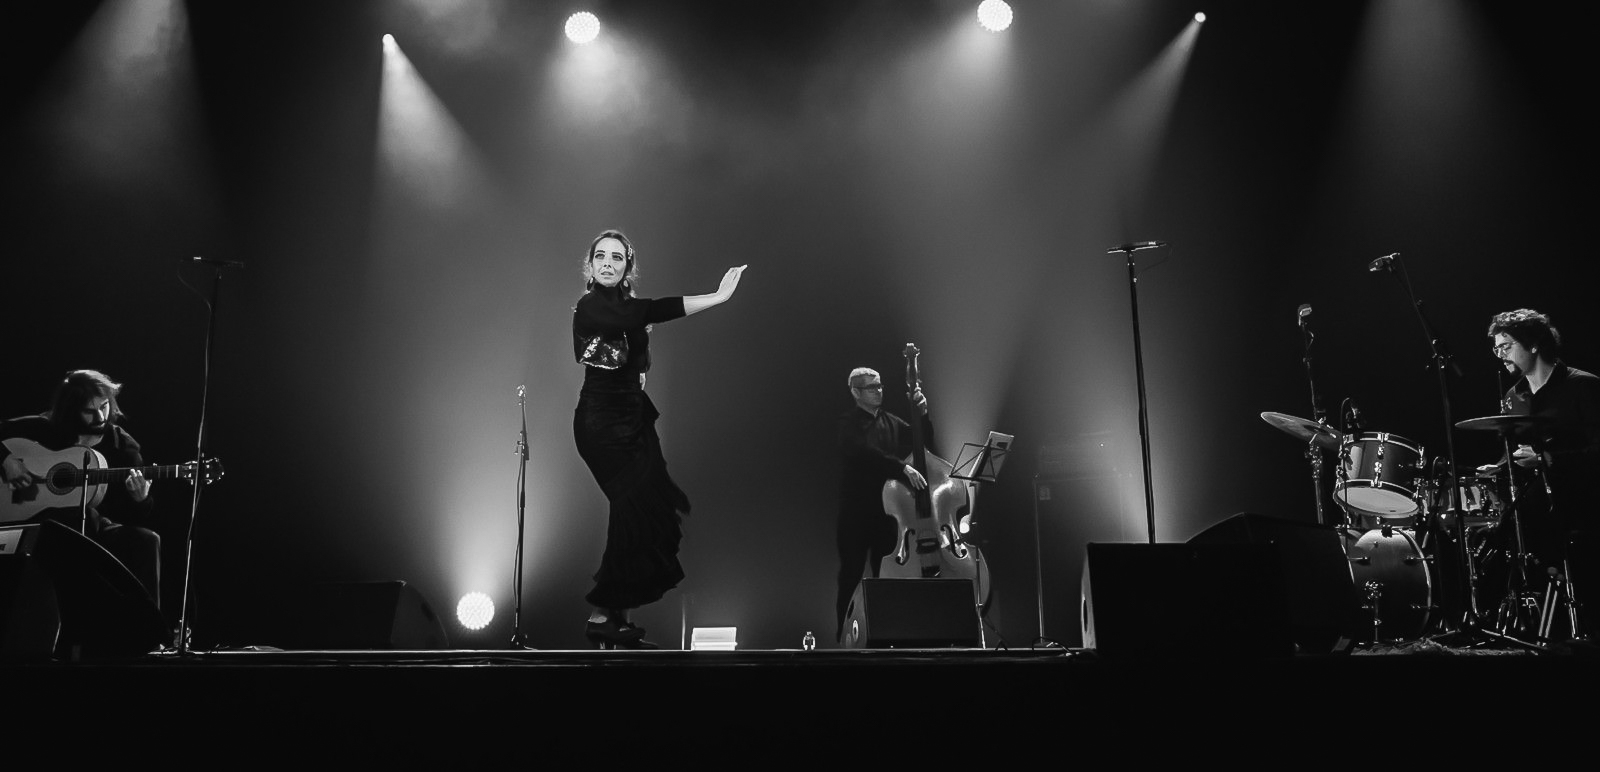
412 226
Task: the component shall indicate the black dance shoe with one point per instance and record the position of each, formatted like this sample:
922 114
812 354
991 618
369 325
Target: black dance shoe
639 642
610 634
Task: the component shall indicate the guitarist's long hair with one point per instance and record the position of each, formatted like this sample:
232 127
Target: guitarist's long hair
75 391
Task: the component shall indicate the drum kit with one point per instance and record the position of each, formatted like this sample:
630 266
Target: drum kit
1398 508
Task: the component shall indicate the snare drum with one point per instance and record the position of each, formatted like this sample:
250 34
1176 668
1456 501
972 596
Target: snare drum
1482 507
1380 474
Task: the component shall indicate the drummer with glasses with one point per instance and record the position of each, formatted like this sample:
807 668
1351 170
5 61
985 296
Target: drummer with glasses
1560 509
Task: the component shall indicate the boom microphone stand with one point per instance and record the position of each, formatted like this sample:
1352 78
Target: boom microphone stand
1138 361
1443 363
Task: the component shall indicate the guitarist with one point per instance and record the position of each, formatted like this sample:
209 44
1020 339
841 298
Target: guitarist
84 413
873 446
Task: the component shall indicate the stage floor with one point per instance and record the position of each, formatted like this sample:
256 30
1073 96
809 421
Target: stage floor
1016 699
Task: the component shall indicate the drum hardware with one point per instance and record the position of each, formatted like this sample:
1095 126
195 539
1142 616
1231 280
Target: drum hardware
1317 436
1380 475
1373 597
1521 605
1558 592
1442 363
1397 577
1547 614
1574 607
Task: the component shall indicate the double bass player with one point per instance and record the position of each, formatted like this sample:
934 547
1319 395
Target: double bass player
873 446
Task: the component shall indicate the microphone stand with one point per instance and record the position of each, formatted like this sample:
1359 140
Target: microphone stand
182 643
517 639
1443 363
83 501
1138 361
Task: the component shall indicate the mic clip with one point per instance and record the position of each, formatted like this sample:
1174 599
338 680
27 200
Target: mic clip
1135 246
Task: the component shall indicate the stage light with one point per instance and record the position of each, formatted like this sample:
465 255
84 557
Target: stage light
582 27
388 41
475 610
994 15
714 639
1200 17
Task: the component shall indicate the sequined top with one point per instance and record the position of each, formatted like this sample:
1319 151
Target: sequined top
611 336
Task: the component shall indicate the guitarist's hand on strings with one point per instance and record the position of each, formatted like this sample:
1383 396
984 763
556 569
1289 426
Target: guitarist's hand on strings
920 400
138 485
16 474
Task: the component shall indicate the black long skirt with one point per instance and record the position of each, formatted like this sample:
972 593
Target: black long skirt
616 436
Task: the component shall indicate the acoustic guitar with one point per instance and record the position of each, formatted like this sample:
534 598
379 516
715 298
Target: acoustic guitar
60 478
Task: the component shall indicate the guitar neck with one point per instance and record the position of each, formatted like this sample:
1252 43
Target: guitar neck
158 472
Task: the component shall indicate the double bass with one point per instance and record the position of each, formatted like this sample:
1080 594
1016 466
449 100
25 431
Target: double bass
930 534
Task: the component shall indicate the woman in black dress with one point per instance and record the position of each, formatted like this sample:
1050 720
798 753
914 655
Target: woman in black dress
614 426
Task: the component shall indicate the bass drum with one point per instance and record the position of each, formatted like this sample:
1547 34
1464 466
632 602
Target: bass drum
1394 582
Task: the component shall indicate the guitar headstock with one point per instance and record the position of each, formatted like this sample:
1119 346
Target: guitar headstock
209 472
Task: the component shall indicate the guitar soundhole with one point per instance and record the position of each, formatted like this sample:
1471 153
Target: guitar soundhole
61 478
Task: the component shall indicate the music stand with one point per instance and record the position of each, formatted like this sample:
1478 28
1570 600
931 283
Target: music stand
984 461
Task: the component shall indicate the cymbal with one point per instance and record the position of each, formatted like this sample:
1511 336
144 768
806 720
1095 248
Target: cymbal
1524 426
1323 435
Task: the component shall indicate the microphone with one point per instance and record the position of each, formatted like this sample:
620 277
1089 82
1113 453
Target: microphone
218 262
1385 263
1135 246
1303 313
1352 418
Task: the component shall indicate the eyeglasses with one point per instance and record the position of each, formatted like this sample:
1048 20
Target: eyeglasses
1501 349
871 387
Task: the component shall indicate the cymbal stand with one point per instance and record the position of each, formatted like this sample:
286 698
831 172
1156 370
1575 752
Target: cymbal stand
1350 531
1512 614
1313 451
1443 363
1574 607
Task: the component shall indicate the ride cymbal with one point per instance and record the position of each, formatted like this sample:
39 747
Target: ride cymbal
1528 427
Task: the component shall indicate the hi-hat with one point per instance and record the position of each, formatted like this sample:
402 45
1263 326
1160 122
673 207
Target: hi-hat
1535 427
1323 435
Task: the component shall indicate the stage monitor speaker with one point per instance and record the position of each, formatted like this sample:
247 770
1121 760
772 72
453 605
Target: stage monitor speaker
913 614
61 594
354 615
1324 604
1184 600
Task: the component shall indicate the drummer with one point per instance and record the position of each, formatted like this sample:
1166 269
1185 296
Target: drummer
1560 504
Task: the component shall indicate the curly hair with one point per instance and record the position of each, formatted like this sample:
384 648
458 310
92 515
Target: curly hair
1530 328
630 276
